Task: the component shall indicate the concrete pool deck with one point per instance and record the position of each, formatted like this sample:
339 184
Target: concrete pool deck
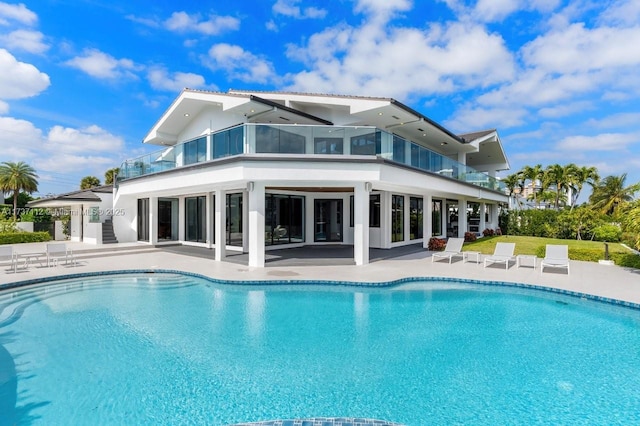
311 263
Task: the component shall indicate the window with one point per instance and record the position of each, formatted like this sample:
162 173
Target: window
374 210
195 219
167 219
328 145
195 151
229 142
398 149
397 218
284 219
274 140
436 217
415 218
234 219
143 219
94 215
369 144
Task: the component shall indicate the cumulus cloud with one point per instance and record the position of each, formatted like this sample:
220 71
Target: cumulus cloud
19 79
408 61
239 64
13 130
27 40
212 25
16 13
4 107
101 65
291 9
89 139
160 79
472 118
600 142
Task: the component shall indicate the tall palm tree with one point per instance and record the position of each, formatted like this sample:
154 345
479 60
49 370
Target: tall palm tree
582 175
560 178
611 193
512 182
16 177
533 175
110 175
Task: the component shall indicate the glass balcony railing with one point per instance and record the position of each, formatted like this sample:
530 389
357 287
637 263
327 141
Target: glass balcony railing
305 140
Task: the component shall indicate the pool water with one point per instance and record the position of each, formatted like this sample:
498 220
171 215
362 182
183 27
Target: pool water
172 349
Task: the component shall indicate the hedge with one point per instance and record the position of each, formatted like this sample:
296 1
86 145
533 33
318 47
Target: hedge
23 237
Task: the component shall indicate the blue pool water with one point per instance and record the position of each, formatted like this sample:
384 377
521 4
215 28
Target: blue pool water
170 349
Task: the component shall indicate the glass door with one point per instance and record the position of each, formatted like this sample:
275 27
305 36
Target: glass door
328 221
143 219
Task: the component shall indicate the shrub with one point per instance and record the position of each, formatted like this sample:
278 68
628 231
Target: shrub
469 237
437 244
23 237
8 226
629 260
498 231
607 232
488 232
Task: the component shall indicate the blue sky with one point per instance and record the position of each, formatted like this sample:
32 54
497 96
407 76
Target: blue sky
82 81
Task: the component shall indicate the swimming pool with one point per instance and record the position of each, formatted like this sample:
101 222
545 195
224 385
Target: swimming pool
175 349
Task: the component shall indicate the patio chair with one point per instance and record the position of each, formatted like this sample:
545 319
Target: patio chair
57 251
7 254
556 256
503 253
451 250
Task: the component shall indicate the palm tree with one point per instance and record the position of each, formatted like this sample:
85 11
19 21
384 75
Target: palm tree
582 175
560 178
512 182
532 174
109 175
16 177
611 193
89 182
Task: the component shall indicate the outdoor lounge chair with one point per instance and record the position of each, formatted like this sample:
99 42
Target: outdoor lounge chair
57 251
556 256
503 253
451 250
7 254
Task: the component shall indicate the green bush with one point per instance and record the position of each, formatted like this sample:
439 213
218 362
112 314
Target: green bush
23 237
607 232
629 260
587 255
36 216
7 226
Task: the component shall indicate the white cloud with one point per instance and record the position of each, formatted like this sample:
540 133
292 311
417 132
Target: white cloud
89 139
12 131
160 79
103 66
498 10
382 9
580 49
601 142
616 120
271 26
477 118
4 107
27 40
19 79
622 12
565 109
16 12
184 22
408 61
239 63
291 9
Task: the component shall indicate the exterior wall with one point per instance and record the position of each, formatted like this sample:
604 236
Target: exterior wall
25 226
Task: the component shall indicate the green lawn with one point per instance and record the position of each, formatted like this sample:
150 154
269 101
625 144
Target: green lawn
578 250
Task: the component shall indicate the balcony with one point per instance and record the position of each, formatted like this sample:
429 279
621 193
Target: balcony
304 140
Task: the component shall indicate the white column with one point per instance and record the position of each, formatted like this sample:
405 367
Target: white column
256 224
361 223
462 218
153 220
427 224
495 221
181 218
210 216
220 221
483 222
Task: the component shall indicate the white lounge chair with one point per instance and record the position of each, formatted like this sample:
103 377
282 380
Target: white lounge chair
556 256
503 253
451 250
7 254
57 251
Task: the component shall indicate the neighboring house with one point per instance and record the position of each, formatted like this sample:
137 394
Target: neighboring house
255 171
90 212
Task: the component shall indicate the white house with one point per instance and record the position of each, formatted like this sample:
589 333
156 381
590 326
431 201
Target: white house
255 171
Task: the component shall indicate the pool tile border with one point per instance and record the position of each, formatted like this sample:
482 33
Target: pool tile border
381 284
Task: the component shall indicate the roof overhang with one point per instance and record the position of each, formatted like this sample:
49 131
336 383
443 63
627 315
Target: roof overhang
488 151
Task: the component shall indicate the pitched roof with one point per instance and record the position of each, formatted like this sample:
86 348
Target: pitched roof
79 195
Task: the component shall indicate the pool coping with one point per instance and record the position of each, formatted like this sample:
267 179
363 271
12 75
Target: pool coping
329 283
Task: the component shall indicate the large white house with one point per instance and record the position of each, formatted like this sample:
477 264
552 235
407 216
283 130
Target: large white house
255 171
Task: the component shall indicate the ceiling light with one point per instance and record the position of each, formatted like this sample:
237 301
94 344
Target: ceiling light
443 143
186 114
380 113
253 110
424 134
